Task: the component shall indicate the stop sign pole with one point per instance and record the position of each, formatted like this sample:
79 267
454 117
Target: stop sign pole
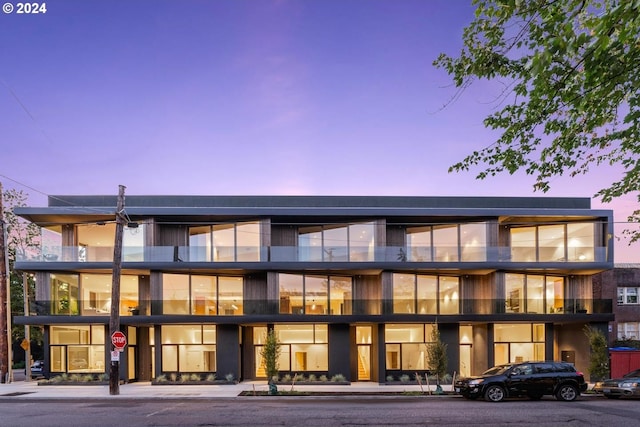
114 319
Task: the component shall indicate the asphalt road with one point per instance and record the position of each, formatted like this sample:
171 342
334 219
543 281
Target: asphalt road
406 411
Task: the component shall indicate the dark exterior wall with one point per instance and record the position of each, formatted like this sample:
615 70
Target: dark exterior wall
284 235
144 354
339 350
478 293
366 295
255 294
482 352
450 335
228 351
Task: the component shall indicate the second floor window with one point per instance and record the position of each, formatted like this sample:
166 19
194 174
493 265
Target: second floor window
425 294
447 242
572 242
309 294
627 296
202 295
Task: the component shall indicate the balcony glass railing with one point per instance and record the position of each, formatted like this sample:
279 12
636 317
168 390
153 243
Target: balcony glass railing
356 307
294 254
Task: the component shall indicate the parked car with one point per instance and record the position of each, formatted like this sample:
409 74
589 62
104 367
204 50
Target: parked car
37 369
628 385
532 379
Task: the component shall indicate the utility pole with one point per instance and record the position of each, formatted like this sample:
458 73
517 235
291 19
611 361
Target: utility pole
27 328
114 320
4 303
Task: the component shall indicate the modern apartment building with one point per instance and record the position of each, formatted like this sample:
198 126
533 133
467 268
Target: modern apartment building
351 285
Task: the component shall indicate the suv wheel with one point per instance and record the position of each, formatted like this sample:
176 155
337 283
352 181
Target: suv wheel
494 393
567 392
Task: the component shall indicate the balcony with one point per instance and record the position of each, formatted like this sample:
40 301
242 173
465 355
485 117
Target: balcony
388 254
424 310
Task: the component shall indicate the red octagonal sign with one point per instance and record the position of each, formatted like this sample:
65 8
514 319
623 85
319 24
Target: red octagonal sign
119 340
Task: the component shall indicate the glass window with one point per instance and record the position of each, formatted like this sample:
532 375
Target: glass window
51 242
188 348
581 239
310 244
627 295
551 241
223 242
555 294
230 295
407 346
300 294
427 291
96 294
65 293
419 244
628 330
200 248
361 242
449 295
303 347
203 295
523 244
248 241
518 342
535 294
445 242
404 293
175 293
77 348
404 333
336 243
473 242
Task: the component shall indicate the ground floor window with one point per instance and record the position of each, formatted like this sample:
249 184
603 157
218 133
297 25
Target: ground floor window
406 346
77 349
518 342
188 348
303 348
628 330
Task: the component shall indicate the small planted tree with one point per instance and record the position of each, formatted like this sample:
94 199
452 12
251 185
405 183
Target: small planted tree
437 357
270 354
599 364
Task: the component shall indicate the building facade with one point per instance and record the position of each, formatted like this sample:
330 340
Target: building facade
621 284
351 285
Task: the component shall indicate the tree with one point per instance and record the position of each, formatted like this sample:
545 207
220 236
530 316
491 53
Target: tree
437 356
270 354
571 97
22 242
599 364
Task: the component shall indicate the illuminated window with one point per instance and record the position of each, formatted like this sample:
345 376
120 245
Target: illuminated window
337 242
225 242
311 294
188 348
77 348
423 294
574 242
202 295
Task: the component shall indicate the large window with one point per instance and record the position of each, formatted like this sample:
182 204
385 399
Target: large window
303 348
628 330
627 295
574 242
339 242
447 242
65 294
96 294
313 294
188 348
225 242
406 346
202 295
423 294
518 342
95 242
77 348
526 293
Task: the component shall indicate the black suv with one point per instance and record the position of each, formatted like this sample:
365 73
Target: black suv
532 379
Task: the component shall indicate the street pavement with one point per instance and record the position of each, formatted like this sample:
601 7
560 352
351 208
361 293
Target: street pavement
22 389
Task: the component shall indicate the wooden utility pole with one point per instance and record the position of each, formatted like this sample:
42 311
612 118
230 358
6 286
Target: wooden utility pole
114 320
4 303
27 328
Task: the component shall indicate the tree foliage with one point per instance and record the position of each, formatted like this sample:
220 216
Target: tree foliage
571 99
22 240
599 363
437 354
270 354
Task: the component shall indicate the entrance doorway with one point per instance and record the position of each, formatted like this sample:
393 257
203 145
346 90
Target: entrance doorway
363 341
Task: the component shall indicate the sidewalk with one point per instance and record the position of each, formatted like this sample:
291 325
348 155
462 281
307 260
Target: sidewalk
23 390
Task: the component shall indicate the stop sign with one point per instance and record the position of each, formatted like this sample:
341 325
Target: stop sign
119 340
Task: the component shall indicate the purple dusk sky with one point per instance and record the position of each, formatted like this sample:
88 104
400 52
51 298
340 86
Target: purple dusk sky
248 97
